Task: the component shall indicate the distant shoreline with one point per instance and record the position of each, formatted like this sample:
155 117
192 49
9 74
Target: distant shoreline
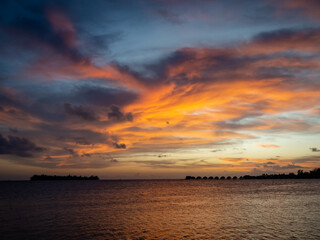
151 179
313 174
55 177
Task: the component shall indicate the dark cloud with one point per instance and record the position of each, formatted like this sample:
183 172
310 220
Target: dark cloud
230 64
307 159
37 30
271 163
169 16
80 111
13 130
156 73
139 76
289 166
238 124
211 65
119 145
62 134
21 147
102 95
81 141
129 116
86 155
160 68
217 150
13 99
116 115
72 162
82 100
290 39
162 155
70 151
113 160
315 149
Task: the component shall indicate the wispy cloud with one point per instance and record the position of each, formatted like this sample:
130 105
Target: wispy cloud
269 146
315 149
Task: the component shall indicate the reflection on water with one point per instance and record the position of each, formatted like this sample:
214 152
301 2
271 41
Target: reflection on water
175 209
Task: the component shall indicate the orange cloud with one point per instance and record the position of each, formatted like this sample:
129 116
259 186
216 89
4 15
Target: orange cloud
234 159
269 146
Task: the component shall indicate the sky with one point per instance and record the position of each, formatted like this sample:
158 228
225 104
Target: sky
158 89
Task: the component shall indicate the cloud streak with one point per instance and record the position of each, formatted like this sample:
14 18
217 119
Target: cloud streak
269 146
80 111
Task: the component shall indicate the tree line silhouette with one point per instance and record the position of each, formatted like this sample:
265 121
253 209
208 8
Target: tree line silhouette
315 173
55 177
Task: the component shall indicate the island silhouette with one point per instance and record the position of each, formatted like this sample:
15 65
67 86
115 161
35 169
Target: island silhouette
315 173
55 177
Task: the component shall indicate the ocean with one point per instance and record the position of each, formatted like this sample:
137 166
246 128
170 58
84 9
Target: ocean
160 209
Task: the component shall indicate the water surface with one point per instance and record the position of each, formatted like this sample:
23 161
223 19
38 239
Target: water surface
161 209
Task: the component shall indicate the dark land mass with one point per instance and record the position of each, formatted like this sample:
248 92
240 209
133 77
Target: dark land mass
300 175
54 177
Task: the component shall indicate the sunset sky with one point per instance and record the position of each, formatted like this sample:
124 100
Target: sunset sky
159 88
